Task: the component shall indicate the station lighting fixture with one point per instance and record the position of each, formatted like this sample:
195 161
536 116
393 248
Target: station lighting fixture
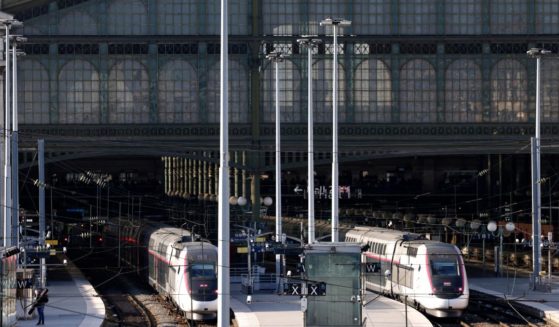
277 57
536 53
335 22
311 43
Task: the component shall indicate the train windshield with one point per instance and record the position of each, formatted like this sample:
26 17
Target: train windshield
445 267
205 270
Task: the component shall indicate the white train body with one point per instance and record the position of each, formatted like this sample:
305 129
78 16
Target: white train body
184 270
431 274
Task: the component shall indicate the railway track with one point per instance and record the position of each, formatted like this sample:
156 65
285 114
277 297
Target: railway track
129 301
488 311
122 308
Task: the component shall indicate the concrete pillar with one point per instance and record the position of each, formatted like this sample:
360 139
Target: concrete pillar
181 177
166 174
216 179
185 180
236 172
175 176
190 178
200 177
205 175
171 176
244 176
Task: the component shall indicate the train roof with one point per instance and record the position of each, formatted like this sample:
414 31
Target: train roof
179 238
383 233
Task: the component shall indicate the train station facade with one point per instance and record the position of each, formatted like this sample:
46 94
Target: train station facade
434 96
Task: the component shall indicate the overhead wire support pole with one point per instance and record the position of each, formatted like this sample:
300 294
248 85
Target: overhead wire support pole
335 23
41 148
223 285
536 173
15 150
310 43
7 194
276 58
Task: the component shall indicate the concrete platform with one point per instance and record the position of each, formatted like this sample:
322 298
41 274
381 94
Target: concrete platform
279 310
73 302
381 311
518 289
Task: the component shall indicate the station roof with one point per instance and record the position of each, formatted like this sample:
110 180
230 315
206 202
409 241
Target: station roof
13 5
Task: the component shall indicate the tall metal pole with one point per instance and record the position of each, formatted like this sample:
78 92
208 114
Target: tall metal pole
536 173
335 187
310 146
278 166
7 196
276 58
310 43
335 23
41 147
15 150
223 287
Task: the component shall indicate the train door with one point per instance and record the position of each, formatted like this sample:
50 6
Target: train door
374 277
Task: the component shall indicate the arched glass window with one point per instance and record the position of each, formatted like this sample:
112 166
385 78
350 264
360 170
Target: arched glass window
283 17
78 93
317 10
176 17
289 89
508 17
372 92
238 17
463 92
238 93
418 16
76 22
127 17
550 89
128 93
547 16
418 92
33 93
322 93
462 16
509 92
371 17
178 93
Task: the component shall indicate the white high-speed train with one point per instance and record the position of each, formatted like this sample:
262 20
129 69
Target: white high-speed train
431 274
179 266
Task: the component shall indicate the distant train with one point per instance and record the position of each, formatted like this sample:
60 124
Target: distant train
431 274
180 266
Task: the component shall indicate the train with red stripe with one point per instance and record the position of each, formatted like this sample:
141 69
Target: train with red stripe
431 275
176 263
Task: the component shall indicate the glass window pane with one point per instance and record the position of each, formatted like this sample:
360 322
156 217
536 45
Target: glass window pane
33 95
178 93
463 92
78 93
289 89
128 93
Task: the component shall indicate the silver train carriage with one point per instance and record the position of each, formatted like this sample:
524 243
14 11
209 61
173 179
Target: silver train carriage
431 274
180 267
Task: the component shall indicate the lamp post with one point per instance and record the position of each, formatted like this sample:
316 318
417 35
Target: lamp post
335 22
310 43
492 227
7 185
223 236
536 187
277 57
16 39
